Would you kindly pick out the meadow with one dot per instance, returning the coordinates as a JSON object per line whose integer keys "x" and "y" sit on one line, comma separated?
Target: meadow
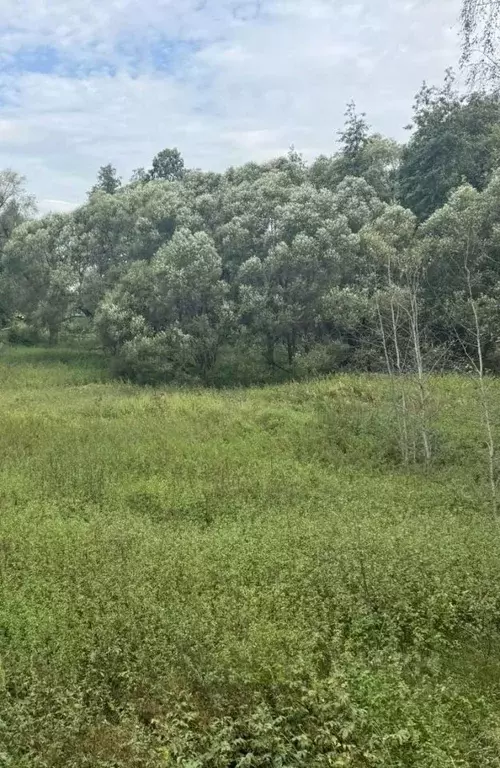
{"x": 242, "y": 577}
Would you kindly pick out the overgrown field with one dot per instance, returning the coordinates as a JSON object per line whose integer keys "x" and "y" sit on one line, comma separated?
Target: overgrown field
{"x": 241, "y": 578}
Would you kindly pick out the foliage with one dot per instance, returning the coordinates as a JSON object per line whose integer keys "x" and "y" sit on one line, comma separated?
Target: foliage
{"x": 362, "y": 154}
{"x": 241, "y": 578}
{"x": 40, "y": 274}
{"x": 107, "y": 180}
{"x": 349, "y": 262}
{"x": 16, "y": 206}
{"x": 456, "y": 140}
{"x": 169, "y": 318}
{"x": 167, "y": 165}
{"x": 461, "y": 239}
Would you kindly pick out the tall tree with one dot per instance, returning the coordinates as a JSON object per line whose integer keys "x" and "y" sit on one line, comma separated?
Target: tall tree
{"x": 16, "y": 205}
{"x": 37, "y": 266}
{"x": 139, "y": 176}
{"x": 366, "y": 155}
{"x": 456, "y": 138}
{"x": 397, "y": 262}
{"x": 107, "y": 180}
{"x": 353, "y": 140}
{"x": 281, "y": 293}
{"x": 463, "y": 236}
{"x": 168, "y": 165}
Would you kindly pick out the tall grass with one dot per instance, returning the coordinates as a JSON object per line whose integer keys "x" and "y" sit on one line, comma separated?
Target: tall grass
{"x": 241, "y": 578}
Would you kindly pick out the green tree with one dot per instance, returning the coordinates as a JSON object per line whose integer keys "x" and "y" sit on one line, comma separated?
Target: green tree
{"x": 107, "y": 180}
{"x": 463, "y": 240}
{"x": 111, "y": 231}
{"x": 168, "y": 165}
{"x": 306, "y": 253}
{"x": 169, "y": 318}
{"x": 456, "y": 139}
{"x": 37, "y": 266}
{"x": 396, "y": 280}
{"x": 361, "y": 154}
{"x": 244, "y": 215}
{"x": 139, "y": 175}
{"x": 462, "y": 244}
{"x": 353, "y": 139}
{"x": 16, "y": 206}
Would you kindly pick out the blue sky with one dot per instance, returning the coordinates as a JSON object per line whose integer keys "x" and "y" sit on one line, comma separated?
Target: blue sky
{"x": 87, "y": 82}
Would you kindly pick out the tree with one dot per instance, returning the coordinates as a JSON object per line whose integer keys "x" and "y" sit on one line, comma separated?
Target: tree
{"x": 353, "y": 139}
{"x": 37, "y": 265}
{"x": 168, "y": 165}
{"x": 111, "y": 231}
{"x": 16, "y": 206}
{"x": 362, "y": 154}
{"x": 279, "y": 296}
{"x": 244, "y": 215}
{"x": 480, "y": 22}
{"x": 380, "y": 160}
{"x": 397, "y": 263}
{"x": 464, "y": 235}
{"x": 169, "y": 318}
{"x": 468, "y": 224}
{"x": 139, "y": 176}
{"x": 281, "y": 293}
{"x": 355, "y": 199}
{"x": 107, "y": 180}
{"x": 456, "y": 139}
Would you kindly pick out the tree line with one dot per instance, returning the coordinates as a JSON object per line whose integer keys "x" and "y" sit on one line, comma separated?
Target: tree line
{"x": 379, "y": 257}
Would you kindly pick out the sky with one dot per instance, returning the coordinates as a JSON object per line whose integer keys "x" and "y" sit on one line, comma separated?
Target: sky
{"x": 84, "y": 83}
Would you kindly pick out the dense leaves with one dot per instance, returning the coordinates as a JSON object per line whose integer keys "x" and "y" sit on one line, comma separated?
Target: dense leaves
{"x": 107, "y": 180}
{"x": 167, "y": 319}
{"x": 456, "y": 140}
{"x": 279, "y": 269}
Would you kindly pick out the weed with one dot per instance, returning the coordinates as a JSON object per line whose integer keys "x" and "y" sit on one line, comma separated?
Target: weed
{"x": 240, "y": 578}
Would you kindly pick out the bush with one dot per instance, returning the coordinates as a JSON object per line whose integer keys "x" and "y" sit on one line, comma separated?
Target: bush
{"x": 22, "y": 333}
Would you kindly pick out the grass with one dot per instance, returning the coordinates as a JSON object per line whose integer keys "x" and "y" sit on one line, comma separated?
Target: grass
{"x": 241, "y": 578}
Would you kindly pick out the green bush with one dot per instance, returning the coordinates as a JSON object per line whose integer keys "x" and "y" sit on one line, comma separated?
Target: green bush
{"x": 23, "y": 334}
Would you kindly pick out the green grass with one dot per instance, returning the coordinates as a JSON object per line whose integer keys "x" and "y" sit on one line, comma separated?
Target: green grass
{"x": 241, "y": 578}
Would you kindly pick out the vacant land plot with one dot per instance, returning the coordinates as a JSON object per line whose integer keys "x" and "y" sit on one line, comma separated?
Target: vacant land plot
{"x": 241, "y": 578}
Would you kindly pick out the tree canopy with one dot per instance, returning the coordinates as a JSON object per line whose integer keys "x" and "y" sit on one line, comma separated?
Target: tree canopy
{"x": 456, "y": 139}
{"x": 277, "y": 269}
{"x": 107, "y": 180}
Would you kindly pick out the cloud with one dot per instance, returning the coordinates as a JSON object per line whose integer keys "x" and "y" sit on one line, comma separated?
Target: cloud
{"x": 87, "y": 82}
{"x": 55, "y": 206}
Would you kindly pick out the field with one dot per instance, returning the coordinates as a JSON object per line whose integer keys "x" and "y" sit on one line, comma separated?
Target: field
{"x": 243, "y": 577}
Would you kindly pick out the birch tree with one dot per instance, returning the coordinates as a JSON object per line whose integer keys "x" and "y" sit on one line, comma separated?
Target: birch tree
{"x": 397, "y": 262}
{"x": 460, "y": 236}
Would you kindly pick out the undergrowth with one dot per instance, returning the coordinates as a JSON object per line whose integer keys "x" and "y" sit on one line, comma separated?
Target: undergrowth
{"x": 241, "y": 578}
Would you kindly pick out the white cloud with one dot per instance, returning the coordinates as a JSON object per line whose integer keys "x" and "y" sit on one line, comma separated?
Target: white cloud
{"x": 55, "y": 206}
{"x": 263, "y": 75}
